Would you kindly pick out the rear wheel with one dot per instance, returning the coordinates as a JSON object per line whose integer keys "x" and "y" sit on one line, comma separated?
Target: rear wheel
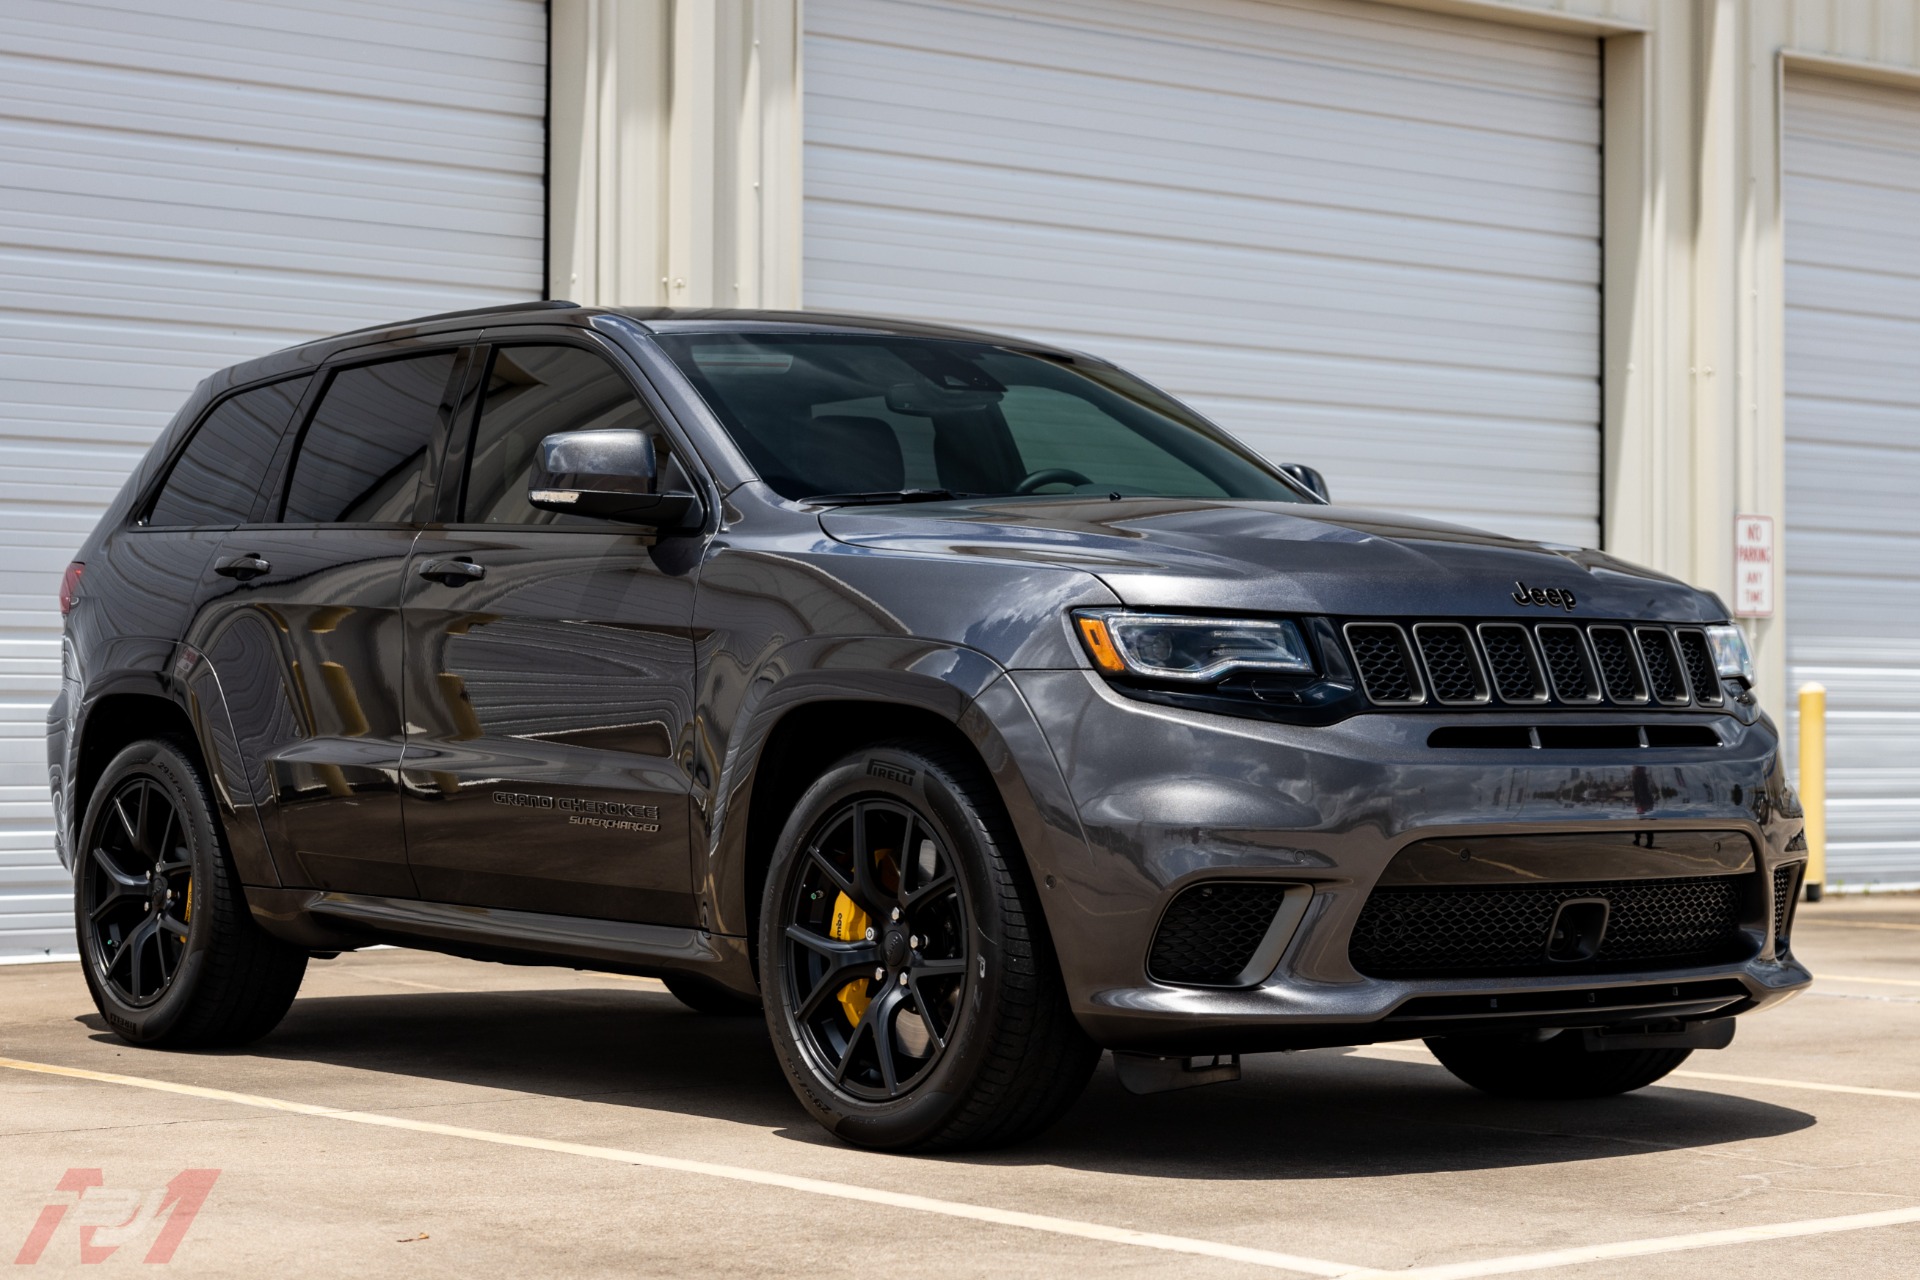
{"x": 170, "y": 952}
{"x": 1518, "y": 1065}
{"x": 910, "y": 986}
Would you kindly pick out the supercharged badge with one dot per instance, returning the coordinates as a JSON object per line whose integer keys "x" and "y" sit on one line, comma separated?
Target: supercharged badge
{"x": 611, "y": 815}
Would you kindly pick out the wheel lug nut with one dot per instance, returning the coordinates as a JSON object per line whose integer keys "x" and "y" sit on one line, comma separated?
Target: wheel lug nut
{"x": 879, "y": 973}
{"x": 903, "y": 979}
{"x": 870, "y": 933}
{"x": 914, "y": 942}
{"x": 896, "y": 914}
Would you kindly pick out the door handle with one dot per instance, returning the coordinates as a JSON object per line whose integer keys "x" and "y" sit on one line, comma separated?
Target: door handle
{"x": 241, "y": 566}
{"x": 453, "y": 573}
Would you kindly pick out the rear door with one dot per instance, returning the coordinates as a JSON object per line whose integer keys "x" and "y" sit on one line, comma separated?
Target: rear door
{"x": 307, "y": 641}
{"x": 550, "y": 678}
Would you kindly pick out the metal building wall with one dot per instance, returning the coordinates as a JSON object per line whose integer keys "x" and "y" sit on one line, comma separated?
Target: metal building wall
{"x": 190, "y": 185}
{"x": 1359, "y": 236}
{"x": 1852, "y": 167}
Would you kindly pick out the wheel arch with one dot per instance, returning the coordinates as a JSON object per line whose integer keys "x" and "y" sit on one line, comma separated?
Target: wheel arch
{"x": 797, "y": 735}
{"x": 190, "y": 710}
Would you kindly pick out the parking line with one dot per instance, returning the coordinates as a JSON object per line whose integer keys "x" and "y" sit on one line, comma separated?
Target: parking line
{"x": 1646, "y": 1248}
{"x": 1878, "y": 982}
{"x": 1854, "y": 924}
{"x": 1400, "y": 1053}
{"x": 811, "y": 1186}
{"x": 1801, "y": 1084}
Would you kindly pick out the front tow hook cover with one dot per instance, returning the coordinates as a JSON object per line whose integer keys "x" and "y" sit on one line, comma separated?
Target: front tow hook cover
{"x": 1578, "y": 927}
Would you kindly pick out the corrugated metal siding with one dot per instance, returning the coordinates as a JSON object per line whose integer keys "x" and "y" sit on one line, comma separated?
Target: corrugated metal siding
{"x": 1852, "y": 541}
{"x": 1359, "y": 236}
{"x": 187, "y": 186}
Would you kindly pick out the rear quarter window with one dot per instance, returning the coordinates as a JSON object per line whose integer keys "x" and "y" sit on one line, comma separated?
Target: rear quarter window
{"x": 218, "y": 475}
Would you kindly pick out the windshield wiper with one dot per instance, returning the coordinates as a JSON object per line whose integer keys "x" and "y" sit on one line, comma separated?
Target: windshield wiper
{"x": 878, "y": 496}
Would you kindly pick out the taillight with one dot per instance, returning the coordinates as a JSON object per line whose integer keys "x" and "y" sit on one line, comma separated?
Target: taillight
{"x": 70, "y": 586}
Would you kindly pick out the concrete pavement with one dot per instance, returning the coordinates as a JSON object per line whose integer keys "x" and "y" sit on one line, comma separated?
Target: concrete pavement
{"x": 525, "y": 1091}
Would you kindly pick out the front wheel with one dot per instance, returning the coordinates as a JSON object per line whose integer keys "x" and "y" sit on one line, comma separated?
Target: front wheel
{"x": 1519, "y": 1065}
{"x": 171, "y": 953}
{"x": 909, "y": 982}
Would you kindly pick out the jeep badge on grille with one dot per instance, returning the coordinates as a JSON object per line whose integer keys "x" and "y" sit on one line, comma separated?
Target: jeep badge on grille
{"x": 1548, "y": 597}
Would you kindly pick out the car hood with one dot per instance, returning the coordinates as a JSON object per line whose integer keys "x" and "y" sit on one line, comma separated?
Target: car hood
{"x": 1276, "y": 557}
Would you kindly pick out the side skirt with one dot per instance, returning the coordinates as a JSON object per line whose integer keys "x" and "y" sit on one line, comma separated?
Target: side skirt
{"x": 325, "y": 921}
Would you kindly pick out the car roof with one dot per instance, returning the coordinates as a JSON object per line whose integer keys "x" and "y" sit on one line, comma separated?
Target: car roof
{"x": 661, "y": 320}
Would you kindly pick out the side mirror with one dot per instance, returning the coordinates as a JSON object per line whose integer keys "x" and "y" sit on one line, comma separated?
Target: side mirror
{"x": 1307, "y": 478}
{"x": 612, "y": 474}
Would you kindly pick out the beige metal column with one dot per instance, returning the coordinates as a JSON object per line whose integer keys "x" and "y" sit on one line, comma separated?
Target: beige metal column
{"x": 675, "y": 142}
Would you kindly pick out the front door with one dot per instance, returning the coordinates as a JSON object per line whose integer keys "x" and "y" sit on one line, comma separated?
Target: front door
{"x": 550, "y": 673}
{"x": 308, "y": 643}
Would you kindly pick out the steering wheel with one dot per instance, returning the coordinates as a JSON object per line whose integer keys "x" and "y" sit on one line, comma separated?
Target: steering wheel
{"x": 1050, "y": 475}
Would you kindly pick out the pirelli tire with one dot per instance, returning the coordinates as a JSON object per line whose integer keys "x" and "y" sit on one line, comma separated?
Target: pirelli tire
{"x": 910, "y": 986}
{"x": 1520, "y": 1065}
{"x": 168, "y": 947}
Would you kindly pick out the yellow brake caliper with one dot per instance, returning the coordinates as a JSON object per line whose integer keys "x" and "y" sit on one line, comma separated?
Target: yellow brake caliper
{"x": 850, "y": 925}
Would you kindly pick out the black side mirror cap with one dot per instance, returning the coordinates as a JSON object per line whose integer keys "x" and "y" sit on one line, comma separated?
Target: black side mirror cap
{"x": 1307, "y": 478}
{"x": 610, "y": 474}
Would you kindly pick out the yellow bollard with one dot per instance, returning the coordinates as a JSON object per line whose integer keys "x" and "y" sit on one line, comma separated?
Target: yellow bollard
{"x": 1813, "y": 784}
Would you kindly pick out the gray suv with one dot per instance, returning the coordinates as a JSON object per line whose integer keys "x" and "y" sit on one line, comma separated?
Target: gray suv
{"x": 966, "y": 706}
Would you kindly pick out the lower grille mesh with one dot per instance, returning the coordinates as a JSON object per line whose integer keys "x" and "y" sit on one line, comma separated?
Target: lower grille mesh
{"x": 1431, "y": 931}
{"x": 1211, "y": 931}
{"x": 1785, "y": 889}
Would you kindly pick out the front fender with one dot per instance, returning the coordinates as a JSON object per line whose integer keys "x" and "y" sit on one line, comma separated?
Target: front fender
{"x": 893, "y": 671}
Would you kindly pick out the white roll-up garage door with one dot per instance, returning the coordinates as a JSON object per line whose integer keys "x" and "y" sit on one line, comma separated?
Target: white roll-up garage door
{"x": 1359, "y": 236}
{"x": 189, "y": 185}
{"x": 1852, "y": 539}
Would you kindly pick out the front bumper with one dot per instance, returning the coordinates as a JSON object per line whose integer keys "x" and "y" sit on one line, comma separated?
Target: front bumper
{"x": 1165, "y": 798}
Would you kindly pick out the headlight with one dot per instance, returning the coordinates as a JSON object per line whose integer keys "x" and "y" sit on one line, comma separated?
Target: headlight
{"x": 1163, "y": 646}
{"x": 1730, "y": 656}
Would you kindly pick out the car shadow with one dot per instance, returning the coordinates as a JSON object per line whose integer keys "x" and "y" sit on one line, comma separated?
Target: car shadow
{"x": 1316, "y": 1115}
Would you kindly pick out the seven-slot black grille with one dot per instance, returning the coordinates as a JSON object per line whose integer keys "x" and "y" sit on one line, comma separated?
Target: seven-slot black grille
{"x": 1209, "y": 934}
{"x": 1431, "y": 931}
{"x": 1571, "y": 664}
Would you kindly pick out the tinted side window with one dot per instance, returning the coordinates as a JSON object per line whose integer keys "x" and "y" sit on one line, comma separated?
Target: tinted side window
{"x": 532, "y": 392}
{"x": 217, "y": 476}
{"x": 364, "y": 453}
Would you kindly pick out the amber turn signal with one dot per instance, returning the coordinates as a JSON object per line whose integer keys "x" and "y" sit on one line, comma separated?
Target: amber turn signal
{"x": 1100, "y": 645}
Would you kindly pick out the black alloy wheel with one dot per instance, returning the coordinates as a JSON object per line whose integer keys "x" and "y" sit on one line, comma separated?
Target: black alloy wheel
{"x": 137, "y": 893}
{"x": 911, "y": 989}
{"x": 169, "y": 948}
{"x": 877, "y": 948}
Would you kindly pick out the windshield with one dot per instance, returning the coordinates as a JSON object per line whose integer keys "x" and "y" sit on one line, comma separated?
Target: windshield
{"x": 835, "y": 416}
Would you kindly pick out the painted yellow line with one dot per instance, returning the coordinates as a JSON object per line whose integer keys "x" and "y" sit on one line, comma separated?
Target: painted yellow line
{"x": 1402, "y": 1053}
{"x": 1878, "y": 982}
{"x": 1646, "y": 1248}
{"x": 810, "y": 1186}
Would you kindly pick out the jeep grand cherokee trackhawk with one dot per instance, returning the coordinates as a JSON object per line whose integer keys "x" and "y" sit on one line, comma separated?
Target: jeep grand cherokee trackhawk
{"x": 968, "y": 705}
